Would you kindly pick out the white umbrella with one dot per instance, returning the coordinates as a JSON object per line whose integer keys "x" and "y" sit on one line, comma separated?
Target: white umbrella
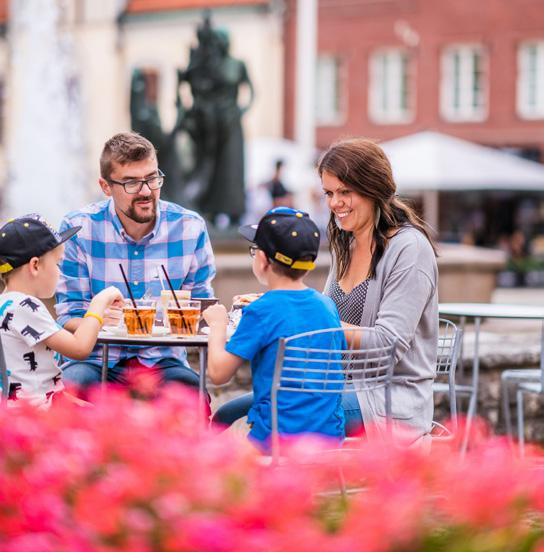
{"x": 430, "y": 162}
{"x": 433, "y": 161}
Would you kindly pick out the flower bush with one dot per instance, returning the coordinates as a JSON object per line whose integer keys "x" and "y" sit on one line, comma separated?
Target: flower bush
{"x": 141, "y": 475}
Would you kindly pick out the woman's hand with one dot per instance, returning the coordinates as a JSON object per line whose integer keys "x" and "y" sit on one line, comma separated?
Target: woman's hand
{"x": 353, "y": 335}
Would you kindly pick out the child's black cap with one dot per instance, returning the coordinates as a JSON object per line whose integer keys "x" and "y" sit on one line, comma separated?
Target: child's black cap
{"x": 28, "y": 236}
{"x": 286, "y": 235}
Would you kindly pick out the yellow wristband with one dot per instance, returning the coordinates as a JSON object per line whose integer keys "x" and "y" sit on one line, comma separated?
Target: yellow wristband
{"x": 90, "y": 314}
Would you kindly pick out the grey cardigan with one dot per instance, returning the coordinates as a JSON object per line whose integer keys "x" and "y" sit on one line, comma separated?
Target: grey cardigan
{"x": 402, "y": 304}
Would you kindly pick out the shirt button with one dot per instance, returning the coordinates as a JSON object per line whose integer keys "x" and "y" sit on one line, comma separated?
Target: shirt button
{"x": 135, "y": 252}
{"x": 136, "y": 283}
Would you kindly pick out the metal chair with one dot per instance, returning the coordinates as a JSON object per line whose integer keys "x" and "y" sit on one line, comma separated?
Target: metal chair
{"x": 525, "y": 380}
{"x": 469, "y": 389}
{"x": 515, "y": 377}
{"x": 322, "y": 362}
{"x": 449, "y": 344}
{"x": 534, "y": 387}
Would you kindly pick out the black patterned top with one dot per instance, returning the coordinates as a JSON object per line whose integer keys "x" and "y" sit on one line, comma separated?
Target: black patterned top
{"x": 350, "y": 305}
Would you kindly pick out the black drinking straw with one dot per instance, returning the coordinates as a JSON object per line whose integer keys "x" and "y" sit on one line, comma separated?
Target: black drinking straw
{"x": 170, "y": 286}
{"x": 132, "y": 298}
{"x": 174, "y": 296}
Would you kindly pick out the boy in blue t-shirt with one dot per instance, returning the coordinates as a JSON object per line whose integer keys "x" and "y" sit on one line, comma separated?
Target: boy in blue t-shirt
{"x": 285, "y": 246}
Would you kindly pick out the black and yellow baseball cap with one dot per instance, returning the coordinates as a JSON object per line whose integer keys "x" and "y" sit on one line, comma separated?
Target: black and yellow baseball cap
{"x": 28, "y": 236}
{"x": 286, "y": 236}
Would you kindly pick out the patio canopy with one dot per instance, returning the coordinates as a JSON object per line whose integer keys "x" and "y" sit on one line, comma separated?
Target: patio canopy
{"x": 433, "y": 161}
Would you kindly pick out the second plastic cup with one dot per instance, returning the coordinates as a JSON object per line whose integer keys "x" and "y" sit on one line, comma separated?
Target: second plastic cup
{"x": 183, "y": 320}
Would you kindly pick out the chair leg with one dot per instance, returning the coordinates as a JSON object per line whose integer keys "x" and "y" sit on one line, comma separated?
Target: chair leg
{"x": 468, "y": 427}
{"x": 453, "y": 407}
{"x": 521, "y": 422}
{"x": 506, "y": 410}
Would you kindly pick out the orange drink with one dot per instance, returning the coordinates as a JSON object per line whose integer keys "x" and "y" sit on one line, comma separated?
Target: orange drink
{"x": 139, "y": 320}
{"x": 166, "y": 297}
{"x": 184, "y": 319}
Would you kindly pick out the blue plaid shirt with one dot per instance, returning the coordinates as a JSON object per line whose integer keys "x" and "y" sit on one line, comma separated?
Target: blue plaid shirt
{"x": 179, "y": 241}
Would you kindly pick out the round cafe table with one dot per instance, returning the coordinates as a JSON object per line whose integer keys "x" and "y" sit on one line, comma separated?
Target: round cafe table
{"x": 477, "y": 311}
{"x": 106, "y": 338}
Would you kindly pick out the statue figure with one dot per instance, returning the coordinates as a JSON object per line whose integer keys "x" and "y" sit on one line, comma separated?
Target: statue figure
{"x": 145, "y": 119}
{"x": 213, "y": 181}
{"x": 214, "y": 123}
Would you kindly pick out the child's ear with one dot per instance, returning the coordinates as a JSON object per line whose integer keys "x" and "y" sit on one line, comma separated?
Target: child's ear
{"x": 33, "y": 265}
{"x": 262, "y": 258}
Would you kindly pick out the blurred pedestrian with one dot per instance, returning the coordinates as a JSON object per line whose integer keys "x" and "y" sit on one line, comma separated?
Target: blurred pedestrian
{"x": 280, "y": 195}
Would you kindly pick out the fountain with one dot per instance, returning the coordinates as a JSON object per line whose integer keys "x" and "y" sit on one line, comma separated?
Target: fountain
{"x": 46, "y": 167}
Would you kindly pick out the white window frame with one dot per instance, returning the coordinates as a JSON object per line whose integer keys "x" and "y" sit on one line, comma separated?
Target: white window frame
{"x": 390, "y": 93}
{"x": 530, "y": 80}
{"x": 459, "y": 101}
{"x": 329, "y": 101}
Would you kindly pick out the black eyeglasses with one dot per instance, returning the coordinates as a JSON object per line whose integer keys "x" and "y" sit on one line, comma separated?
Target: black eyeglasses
{"x": 135, "y": 186}
{"x": 252, "y": 250}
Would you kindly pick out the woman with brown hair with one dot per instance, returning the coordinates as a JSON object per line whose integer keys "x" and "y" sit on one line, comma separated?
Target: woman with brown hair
{"x": 384, "y": 276}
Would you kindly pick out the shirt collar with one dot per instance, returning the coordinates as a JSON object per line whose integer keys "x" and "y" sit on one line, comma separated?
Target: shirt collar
{"x": 121, "y": 230}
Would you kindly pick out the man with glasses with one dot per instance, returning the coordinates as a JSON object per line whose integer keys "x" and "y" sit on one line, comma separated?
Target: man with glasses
{"x": 134, "y": 228}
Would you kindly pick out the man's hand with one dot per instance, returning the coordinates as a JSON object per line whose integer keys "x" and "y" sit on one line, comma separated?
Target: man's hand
{"x": 216, "y": 315}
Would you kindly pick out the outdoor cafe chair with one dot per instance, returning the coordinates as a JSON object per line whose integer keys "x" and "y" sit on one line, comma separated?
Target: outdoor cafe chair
{"x": 321, "y": 362}
{"x": 526, "y": 387}
{"x": 514, "y": 377}
{"x": 449, "y": 345}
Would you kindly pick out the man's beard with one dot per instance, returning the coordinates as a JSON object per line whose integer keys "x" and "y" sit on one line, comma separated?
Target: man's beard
{"x": 131, "y": 212}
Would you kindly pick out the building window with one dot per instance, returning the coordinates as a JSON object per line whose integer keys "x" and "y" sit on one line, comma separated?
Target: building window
{"x": 464, "y": 83}
{"x": 530, "y": 85}
{"x": 389, "y": 93}
{"x": 328, "y": 91}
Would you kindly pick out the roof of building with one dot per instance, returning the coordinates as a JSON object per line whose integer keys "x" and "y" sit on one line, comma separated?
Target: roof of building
{"x": 141, "y": 6}
{"x": 144, "y": 6}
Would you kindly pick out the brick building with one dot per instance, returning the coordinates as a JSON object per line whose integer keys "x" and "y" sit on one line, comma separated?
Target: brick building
{"x": 472, "y": 69}
{"x": 388, "y": 68}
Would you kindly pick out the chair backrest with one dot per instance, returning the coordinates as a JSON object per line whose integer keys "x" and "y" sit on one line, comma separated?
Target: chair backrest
{"x": 449, "y": 343}
{"x": 3, "y": 374}
{"x": 449, "y": 347}
{"x": 324, "y": 361}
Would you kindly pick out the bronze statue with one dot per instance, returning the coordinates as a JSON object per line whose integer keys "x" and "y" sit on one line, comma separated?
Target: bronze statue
{"x": 145, "y": 119}
{"x": 214, "y": 123}
{"x": 215, "y": 183}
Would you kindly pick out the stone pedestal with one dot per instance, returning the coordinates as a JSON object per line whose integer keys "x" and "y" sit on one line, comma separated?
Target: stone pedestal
{"x": 468, "y": 274}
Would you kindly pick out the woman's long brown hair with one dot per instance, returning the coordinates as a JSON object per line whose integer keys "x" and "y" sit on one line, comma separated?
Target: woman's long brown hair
{"x": 362, "y": 165}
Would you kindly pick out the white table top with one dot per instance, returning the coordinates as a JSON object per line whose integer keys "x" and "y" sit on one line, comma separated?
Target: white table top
{"x": 492, "y": 310}
{"x": 108, "y": 338}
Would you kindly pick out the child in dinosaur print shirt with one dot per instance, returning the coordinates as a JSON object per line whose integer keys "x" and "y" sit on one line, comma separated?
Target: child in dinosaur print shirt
{"x": 30, "y": 251}
{"x": 25, "y": 326}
